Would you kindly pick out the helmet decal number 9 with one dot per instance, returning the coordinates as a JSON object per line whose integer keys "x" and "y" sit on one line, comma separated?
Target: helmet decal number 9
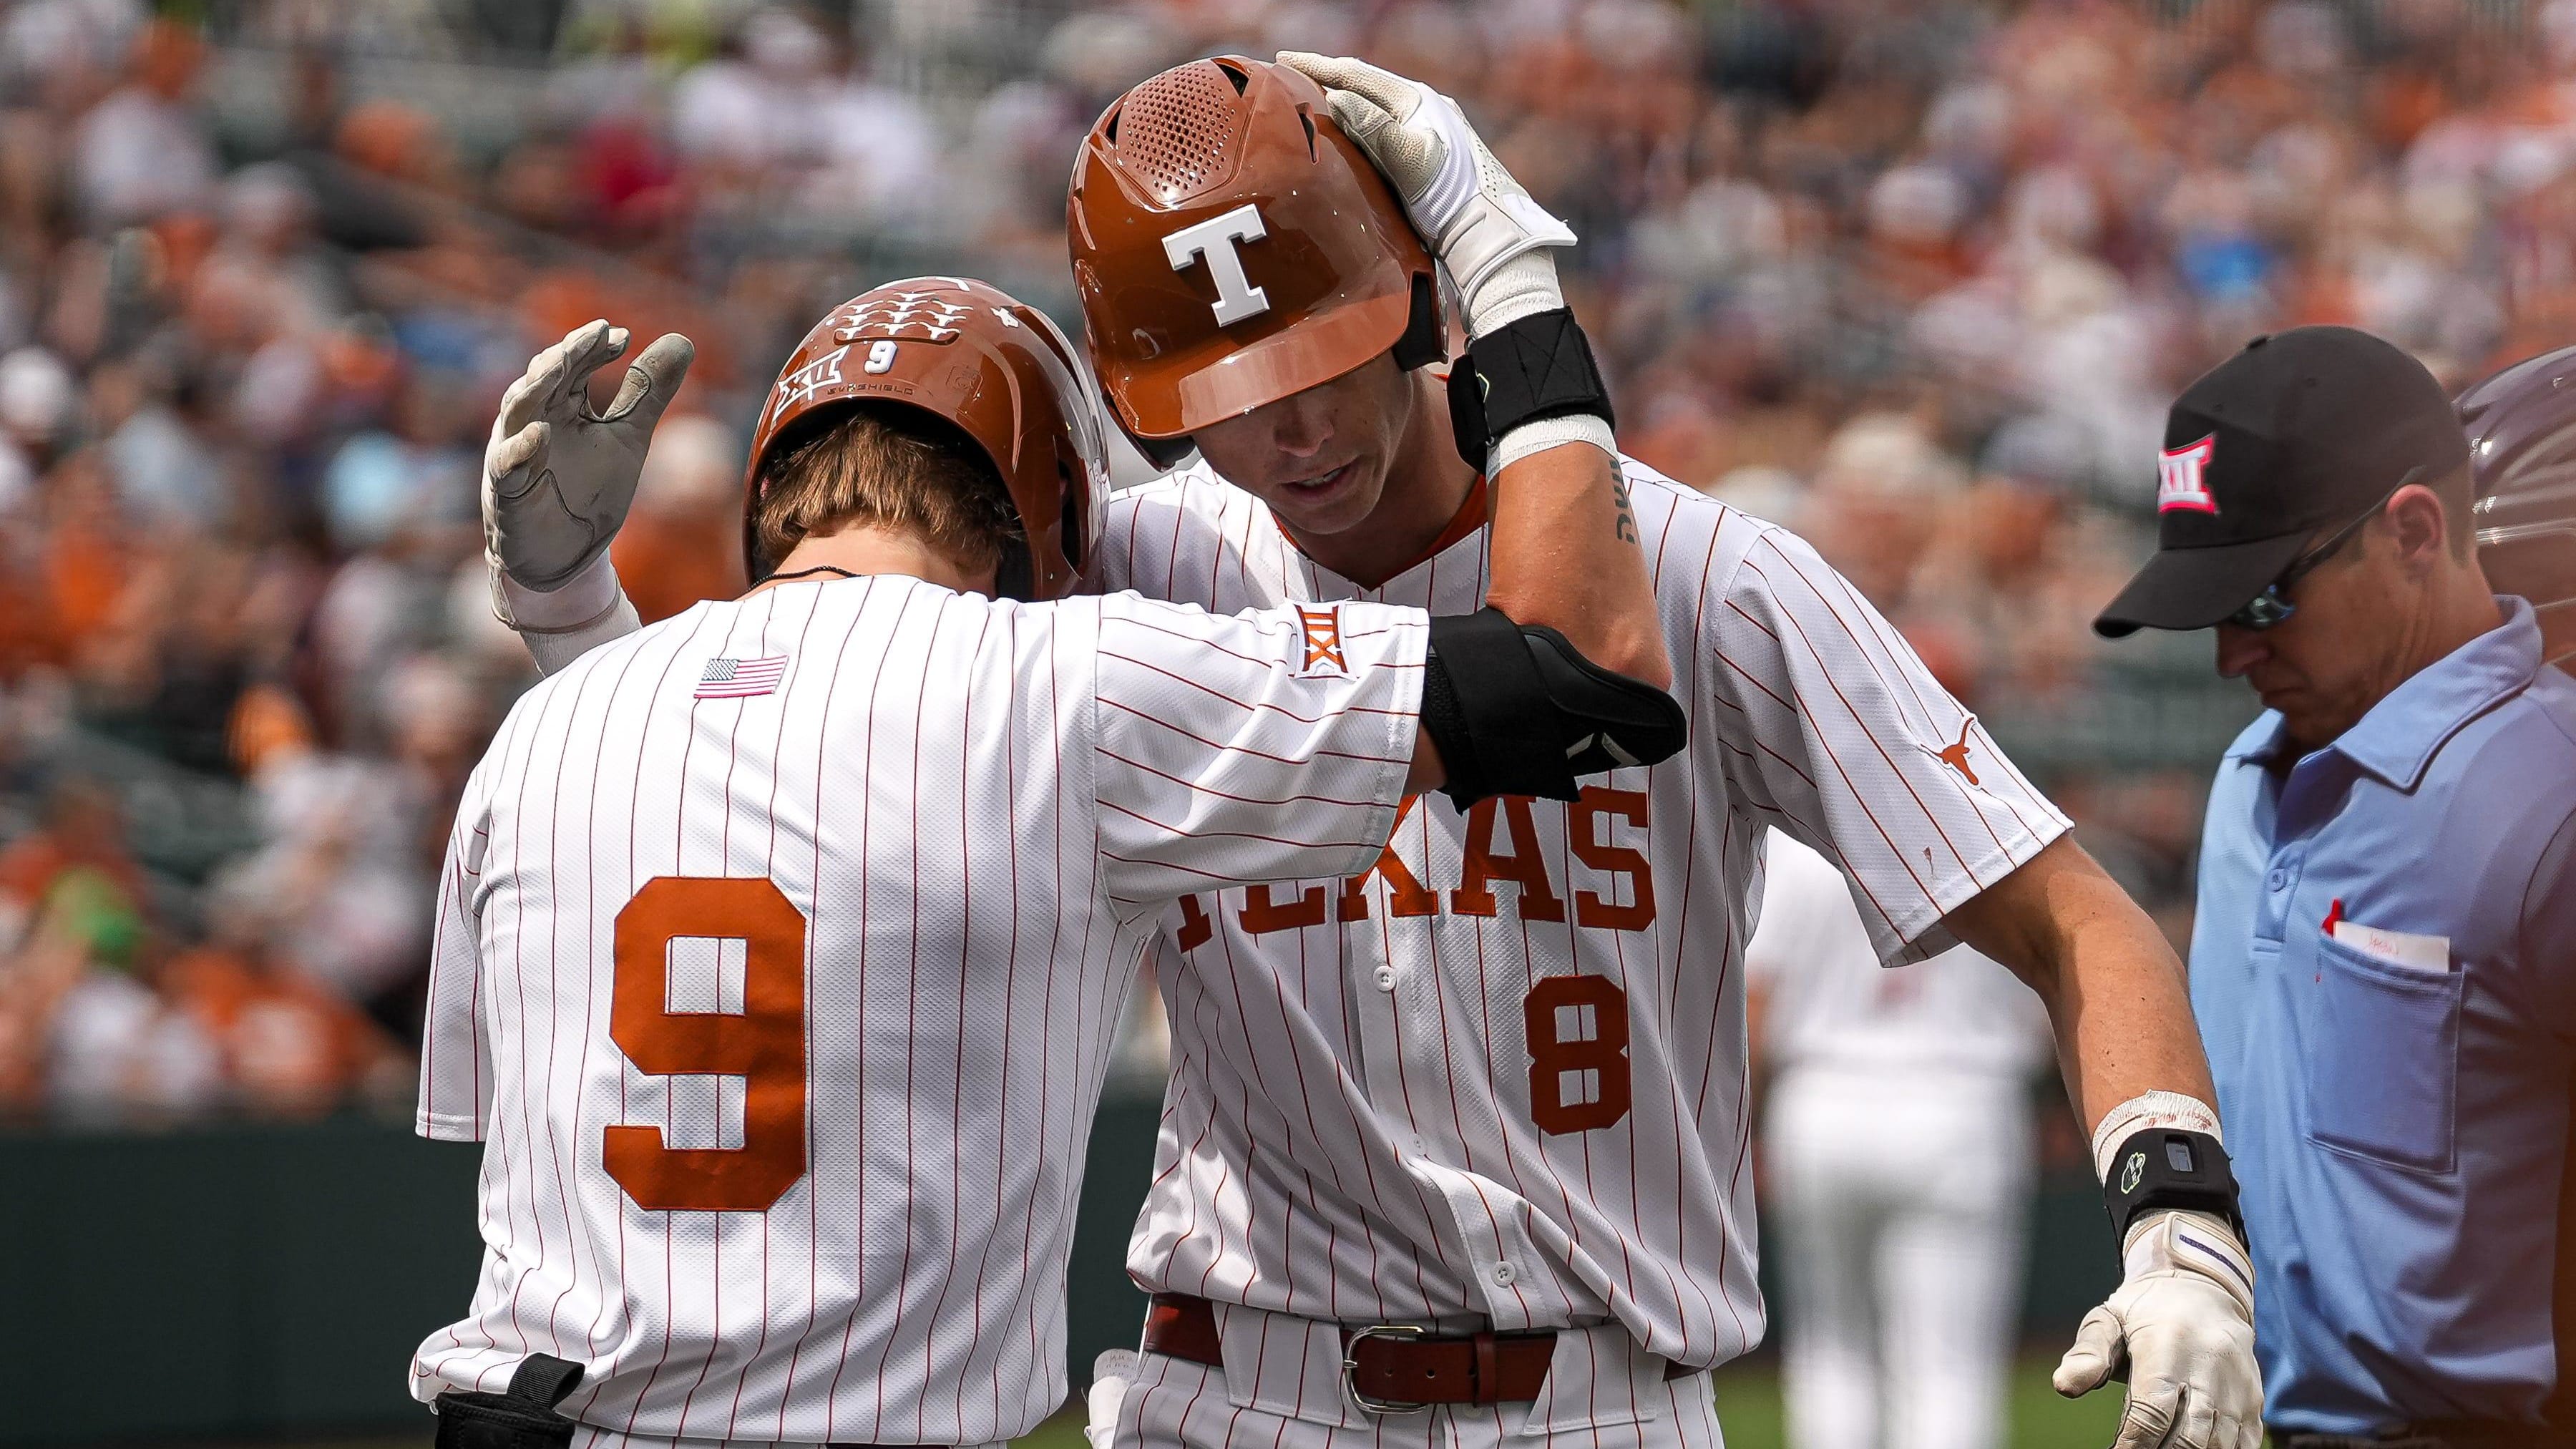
{"x": 764, "y": 1043}
{"x": 1578, "y": 1047}
{"x": 880, "y": 356}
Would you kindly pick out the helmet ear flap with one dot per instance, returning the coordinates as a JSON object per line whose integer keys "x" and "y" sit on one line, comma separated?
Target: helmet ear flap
{"x": 1425, "y": 340}
{"x": 1164, "y": 453}
{"x": 1015, "y": 573}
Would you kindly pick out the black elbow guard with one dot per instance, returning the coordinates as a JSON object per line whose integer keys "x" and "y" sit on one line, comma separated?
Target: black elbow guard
{"x": 1515, "y": 710}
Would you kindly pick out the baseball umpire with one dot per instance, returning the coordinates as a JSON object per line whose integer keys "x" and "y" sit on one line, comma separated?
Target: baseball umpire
{"x": 2384, "y": 960}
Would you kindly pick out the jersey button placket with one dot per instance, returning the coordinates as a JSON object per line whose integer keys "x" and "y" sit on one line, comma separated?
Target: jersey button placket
{"x": 1385, "y": 978}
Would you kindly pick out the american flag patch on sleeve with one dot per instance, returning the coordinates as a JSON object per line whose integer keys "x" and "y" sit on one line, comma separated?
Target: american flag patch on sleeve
{"x": 740, "y": 678}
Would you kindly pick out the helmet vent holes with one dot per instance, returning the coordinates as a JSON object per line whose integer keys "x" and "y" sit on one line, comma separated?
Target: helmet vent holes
{"x": 1184, "y": 128}
{"x": 1308, "y": 122}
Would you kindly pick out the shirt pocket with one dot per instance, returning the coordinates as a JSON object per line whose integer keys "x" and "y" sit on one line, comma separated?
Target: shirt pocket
{"x": 2383, "y": 1059}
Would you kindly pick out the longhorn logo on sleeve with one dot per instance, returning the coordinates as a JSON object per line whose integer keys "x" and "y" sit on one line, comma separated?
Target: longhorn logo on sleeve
{"x": 1219, "y": 239}
{"x": 1956, "y": 756}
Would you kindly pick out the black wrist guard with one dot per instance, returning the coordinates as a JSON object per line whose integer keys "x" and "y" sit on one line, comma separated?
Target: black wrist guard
{"x": 2167, "y": 1167}
{"x": 1538, "y": 367}
{"x": 1515, "y": 710}
{"x": 523, "y": 1418}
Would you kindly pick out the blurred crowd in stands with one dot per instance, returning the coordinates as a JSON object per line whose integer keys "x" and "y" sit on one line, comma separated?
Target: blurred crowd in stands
{"x": 1916, "y": 279}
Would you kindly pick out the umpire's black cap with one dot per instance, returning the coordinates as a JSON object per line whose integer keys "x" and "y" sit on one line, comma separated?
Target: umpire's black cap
{"x": 2303, "y": 430}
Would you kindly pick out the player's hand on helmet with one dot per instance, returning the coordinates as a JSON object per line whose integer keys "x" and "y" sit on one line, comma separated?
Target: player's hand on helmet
{"x": 559, "y": 477}
{"x": 2180, "y": 1329}
{"x": 1480, "y": 222}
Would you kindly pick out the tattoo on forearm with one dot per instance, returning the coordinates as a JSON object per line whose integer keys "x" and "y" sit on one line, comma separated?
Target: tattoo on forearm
{"x": 1627, "y": 509}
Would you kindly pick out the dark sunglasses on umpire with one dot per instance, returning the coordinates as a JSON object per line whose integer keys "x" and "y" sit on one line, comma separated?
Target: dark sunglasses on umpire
{"x": 2272, "y": 606}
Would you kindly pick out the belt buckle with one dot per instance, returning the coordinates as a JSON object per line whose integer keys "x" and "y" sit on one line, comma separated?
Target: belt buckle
{"x": 1351, "y": 1368}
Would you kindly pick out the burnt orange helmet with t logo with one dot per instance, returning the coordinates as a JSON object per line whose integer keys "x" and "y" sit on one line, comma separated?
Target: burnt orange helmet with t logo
{"x": 1232, "y": 247}
{"x": 993, "y": 365}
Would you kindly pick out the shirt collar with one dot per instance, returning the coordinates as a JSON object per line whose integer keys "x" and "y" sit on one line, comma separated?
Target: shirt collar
{"x": 2262, "y": 743}
{"x": 2398, "y": 738}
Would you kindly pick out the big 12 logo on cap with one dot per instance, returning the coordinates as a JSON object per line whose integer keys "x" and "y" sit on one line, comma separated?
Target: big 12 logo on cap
{"x": 2182, "y": 478}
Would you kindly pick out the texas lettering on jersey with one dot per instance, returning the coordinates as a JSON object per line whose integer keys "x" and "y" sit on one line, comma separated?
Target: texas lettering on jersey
{"x": 1501, "y": 845}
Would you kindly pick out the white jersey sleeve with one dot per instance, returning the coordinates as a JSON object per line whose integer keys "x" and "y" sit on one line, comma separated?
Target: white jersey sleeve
{"x": 1259, "y": 747}
{"x": 455, "y": 1053}
{"x": 1858, "y": 753}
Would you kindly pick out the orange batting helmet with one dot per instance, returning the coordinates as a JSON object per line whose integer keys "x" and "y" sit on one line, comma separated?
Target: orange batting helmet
{"x": 985, "y": 361}
{"x": 1232, "y": 247}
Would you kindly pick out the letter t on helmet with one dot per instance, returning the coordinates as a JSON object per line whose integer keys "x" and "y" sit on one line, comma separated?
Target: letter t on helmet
{"x": 1232, "y": 247}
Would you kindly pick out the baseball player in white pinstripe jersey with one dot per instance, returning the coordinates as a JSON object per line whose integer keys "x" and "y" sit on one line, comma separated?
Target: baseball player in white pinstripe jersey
{"x": 1496, "y": 1084}
{"x": 1454, "y": 1149}
{"x": 780, "y": 942}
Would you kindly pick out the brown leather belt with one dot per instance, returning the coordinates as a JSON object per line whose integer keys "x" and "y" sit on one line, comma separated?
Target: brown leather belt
{"x": 1388, "y": 1368}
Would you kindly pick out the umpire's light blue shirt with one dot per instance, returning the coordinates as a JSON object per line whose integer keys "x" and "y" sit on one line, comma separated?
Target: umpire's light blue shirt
{"x": 2400, "y": 1133}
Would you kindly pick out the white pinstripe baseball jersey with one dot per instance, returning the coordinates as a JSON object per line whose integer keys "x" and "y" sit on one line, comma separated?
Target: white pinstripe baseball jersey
{"x": 1501, "y": 1075}
{"x": 779, "y": 953}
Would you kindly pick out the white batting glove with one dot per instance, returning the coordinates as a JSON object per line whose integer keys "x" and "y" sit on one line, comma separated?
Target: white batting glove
{"x": 2180, "y": 1327}
{"x": 1481, "y": 223}
{"x": 557, "y": 477}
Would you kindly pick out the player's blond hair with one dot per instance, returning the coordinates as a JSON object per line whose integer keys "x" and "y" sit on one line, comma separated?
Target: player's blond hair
{"x": 891, "y": 465}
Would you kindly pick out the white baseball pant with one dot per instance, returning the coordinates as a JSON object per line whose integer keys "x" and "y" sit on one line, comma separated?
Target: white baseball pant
{"x": 1901, "y": 1208}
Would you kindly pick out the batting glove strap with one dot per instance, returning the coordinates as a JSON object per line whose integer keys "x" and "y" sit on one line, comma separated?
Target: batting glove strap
{"x": 2174, "y": 1243}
